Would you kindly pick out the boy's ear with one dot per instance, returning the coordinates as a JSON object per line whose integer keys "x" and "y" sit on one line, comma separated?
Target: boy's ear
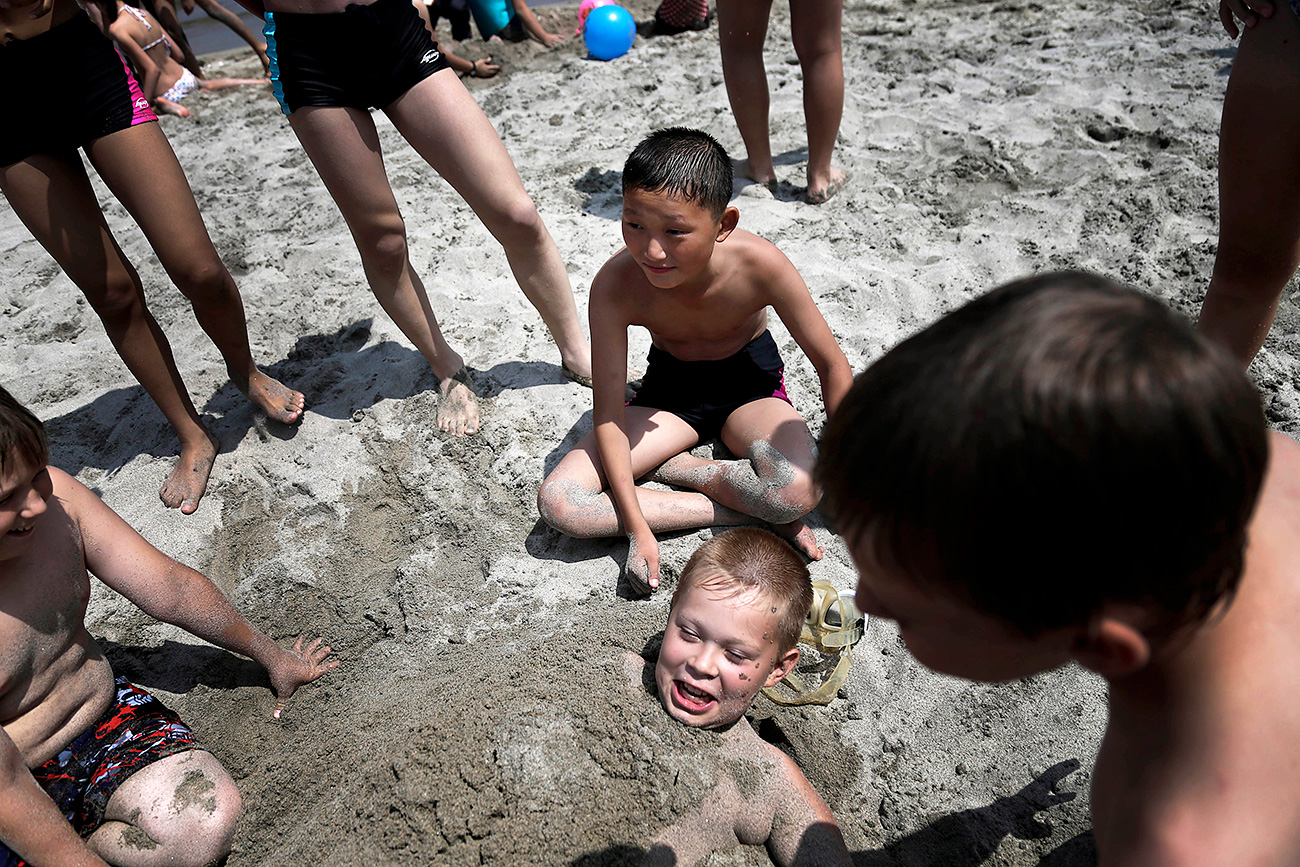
{"x": 1112, "y": 646}
{"x": 727, "y": 225}
{"x": 784, "y": 664}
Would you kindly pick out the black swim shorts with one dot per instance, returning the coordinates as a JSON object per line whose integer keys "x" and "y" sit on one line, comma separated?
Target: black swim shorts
{"x": 363, "y": 57}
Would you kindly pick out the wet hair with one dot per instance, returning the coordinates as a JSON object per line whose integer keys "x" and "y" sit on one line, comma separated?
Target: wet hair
{"x": 681, "y": 162}
{"x": 21, "y": 434}
{"x": 752, "y": 559}
{"x": 1057, "y": 444}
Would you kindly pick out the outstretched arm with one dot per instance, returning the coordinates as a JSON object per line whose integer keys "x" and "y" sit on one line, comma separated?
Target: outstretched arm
{"x": 231, "y": 20}
{"x": 176, "y": 594}
{"x": 534, "y": 27}
{"x": 30, "y": 824}
{"x": 789, "y": 296}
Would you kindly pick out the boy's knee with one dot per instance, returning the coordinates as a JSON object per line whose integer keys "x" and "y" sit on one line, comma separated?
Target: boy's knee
{"x": 383, "y": 245}
{"x": 790, "y": 502}
{"x": 206, "y": 832}
{"x": 199, "y": 277}
{"x": 119, "y": 299}
{"x": 556, "y": 504}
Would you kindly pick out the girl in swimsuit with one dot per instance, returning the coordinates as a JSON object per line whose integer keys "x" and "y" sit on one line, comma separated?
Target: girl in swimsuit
{"x": 1259, "y": 176}
{"x": 78, "y": 93}
{"x": 156, "y": 58}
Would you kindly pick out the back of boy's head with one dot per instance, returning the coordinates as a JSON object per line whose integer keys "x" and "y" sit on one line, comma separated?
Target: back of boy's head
{"x": 681, "y": 162}
{"x": 750, "y": 559}
{"x": 1057, "y": 444}
{"x": 21, "y": 434}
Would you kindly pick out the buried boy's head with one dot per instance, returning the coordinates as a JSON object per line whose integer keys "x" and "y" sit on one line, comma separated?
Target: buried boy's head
{"x": 24, "y": 482}
{"x": 1061, "y": 469}
{"x": 735, "y": 620}
{"x": 22, "y": 436}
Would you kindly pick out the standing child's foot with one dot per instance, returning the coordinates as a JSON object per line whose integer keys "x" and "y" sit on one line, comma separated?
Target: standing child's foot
{"x": 278, "y": 401}
{"x": 801, "y": 536}
{"x": 819, "y": 191}
{"x": 458, "y": 412}
{"x": 189, "y": 480}
{"x": 743, "y": 169}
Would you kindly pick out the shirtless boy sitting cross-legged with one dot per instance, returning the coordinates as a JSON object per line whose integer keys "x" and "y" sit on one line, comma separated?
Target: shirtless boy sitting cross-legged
{"x": 701, "y": 287}
{"x": 82, "y": 752}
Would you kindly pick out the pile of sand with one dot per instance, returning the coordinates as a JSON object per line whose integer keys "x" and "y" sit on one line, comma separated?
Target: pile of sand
{"x": 478, "y": 715}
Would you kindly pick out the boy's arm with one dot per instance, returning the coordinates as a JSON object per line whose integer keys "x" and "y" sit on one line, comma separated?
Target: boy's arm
{"x": 30, "y": 824}
{"x": 804, "y": 830}
{"x": 176, "y": 594}
{"x": 534, "y": 27}
{"x": 789, "y": 296}
{"x": 609, "y": 323}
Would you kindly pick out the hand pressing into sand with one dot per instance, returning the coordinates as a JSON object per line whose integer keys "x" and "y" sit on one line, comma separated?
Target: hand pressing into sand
{"x": 642, "y": 568}
{"x": 290, "y": 669}
{"x": 1248, "y": 11}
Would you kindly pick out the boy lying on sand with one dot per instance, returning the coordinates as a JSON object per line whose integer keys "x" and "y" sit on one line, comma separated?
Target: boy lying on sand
{"x": 702, "y": 288}
{"x": 79, "y": 746}
{"x": 1063, "y": 470}
{"x": 732, "y": 630}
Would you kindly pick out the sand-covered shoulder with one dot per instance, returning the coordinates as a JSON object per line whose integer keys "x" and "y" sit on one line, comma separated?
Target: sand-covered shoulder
{"x": 478, "y": 715}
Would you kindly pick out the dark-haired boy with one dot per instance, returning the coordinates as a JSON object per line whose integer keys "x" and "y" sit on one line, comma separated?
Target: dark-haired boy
{"x": 733, "y": 629}
{"x": 1064, "y": 471}
{"x": 702, "y": 288}
{"x": 83, "y": 753}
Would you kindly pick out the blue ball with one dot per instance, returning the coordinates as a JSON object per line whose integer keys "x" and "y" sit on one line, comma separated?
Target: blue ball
{"x": 609, "y": 32}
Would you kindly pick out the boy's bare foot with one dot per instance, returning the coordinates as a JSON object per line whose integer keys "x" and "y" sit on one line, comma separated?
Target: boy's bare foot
{"x": 583, "y": 379}
{"x": 188, "y": 482}
{"x": 801, "y": 536}
{"x": 458, "y": 409}
{"x": 278, "y": 401}
{"x": 820, "y": 192}
{"x": 742, "y": 169}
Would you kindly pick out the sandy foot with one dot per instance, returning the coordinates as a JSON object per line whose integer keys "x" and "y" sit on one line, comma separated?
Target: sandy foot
{"x": 742, "y": 169}
{"x": 278, "y": 401}
{"x": 801, "y": 536}
{"x": 819, "y": 194}
{"x": 187, "y": 483}
{"x": 458, "y": 412}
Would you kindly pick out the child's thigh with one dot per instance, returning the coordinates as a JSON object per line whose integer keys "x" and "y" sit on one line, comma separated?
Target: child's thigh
{"x": 181, "y": 794}
{"x": 773, "y": 421}
{"x": 653, "y": 435}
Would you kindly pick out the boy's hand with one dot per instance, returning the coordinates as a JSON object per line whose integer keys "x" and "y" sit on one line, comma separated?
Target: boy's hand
{"x": 293, "y": 668}
{"x": 1249, "y": 11}
{"x": 642, "y": 567}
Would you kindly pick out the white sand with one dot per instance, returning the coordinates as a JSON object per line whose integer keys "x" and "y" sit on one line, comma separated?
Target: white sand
{"x": 469, "y": 720}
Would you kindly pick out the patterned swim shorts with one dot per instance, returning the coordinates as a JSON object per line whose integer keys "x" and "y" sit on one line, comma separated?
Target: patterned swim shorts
{"x": 135, "y": 731}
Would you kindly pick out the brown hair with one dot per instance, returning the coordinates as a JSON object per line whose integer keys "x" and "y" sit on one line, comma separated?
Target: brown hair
{"x": 21, "y": 433}
{"x": 1059, "y": 443}
{"x": 750, "y": 558}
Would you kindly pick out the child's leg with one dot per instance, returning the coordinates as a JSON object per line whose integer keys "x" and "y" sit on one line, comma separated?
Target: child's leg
{"x": 138, "y": 166}
{"x": 223, "y": 83}
{"x": 446, "y": 126}
{"x": 815, "y": 29}
{"x": 572, "y": 499}
{"x": 1259, "y": 185}
{"x": 742, "y": 29}
{"x": 180, "y": 810}
{"x": 344, "y": 146}
{"x": 75, "y": 234}
{"x": 774, "y": 482}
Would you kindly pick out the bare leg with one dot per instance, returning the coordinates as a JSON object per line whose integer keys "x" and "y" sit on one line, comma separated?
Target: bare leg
{"x": 138, "y": 165}
{"x": 344, "y": 146}
{"x": 815, "y": 28}
{"x": 448, "y": 129}
{"x": 223, "y": 83}
{"x": 773, "y": 483}
{"x": 180, "y": 810}
{"x": 231, "y": 20}
{"x": 742, "y": 29}
{"x": 1259, "y": 186}
{"x": 76, "y": 235}
{"x": 573, "y": 498}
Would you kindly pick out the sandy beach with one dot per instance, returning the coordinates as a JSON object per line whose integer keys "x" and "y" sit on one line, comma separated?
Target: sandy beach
{"x": 480, "y": 714}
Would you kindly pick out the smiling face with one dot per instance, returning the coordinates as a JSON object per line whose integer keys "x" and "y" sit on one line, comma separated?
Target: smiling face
{"x": 719, "y": 650}
{"x": 24, "y": 490}
{"x": 948, "y": 634}
{"x": 671, "y": 238}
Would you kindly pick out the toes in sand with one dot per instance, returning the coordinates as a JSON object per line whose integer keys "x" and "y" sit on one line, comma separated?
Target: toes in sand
{"x": 458, "y": 412}
{"x": 278, "y": 401}
{"x": 820, "y": 195}
{"x": 189, "y": 480}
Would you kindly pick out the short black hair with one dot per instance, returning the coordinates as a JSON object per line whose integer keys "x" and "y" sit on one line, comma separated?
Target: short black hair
{"x": 1057, "y": 444}
{"x": 681, "y": 162}
{"x": 21, "y": 434}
